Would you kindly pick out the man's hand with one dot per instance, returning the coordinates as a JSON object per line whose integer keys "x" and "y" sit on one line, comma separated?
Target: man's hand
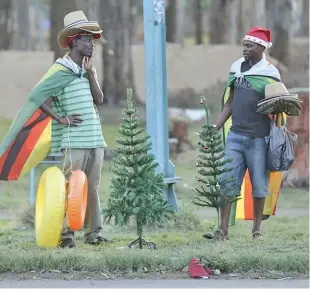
{"x": 95, "y": 89}
{"x": 72, "y": 120}
{"x": 216, "y": 128}
{"x": 88, "y": 64}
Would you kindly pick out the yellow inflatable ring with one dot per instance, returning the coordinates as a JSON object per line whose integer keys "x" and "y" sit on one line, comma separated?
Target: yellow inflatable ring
{"x": 50, "y": 208}
{"x": 77, "y": 200}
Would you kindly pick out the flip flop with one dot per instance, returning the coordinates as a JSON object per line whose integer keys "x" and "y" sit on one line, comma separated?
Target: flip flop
{"x": 97, "y": 241}
{"x": 211, "y": 236}
{"x": 208, "y": 235}
{"x": 257, "y": 235}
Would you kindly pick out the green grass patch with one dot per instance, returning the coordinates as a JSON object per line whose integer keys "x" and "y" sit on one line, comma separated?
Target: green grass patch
{"x": 285, "y": 249}
{"x": 15, "y": 195}
{"x": 289, "y": 197}
{"x": 293, "y": 198}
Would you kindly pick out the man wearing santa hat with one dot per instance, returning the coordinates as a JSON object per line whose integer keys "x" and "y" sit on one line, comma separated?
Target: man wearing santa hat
{"x": 246, "y": 131}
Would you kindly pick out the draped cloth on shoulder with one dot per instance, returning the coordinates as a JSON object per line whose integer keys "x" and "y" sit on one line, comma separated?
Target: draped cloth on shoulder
{"x": 28, "y": 140}
{"x": 258, "y": 76}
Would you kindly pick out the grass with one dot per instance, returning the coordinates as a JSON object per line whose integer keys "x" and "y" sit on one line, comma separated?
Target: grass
{"x": 15, "y": 196}
{"x": 284, "y": 250}
{"x": 289, "y": 197}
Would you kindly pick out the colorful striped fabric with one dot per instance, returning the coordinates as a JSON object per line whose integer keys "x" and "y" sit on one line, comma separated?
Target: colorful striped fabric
{"x": 29, "y": 139}
{"x": 243, "y": 208}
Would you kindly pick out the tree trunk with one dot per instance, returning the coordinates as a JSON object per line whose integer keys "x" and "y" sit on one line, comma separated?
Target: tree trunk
{"x": 118, "y": 22}
{"x": 258, "y": 13}
{"x": 59, "y": 9}
{"x": 5, "y": 13}
{"x": 250, "y": 13}
{"x": 244, "y": 20}
{"x": 24, "y": 25}
{"x": 219, "y": 22}
{"x": 123, "y": 57}
{"x": 233, "y": 21}
{"x": 109, "y": 18}
{"x": 305, "y": 18}
{"x": 171, "y": 13}
{"x": 181, "y": 6}
{"x": 131, "y": 37}
{"x": 280, "y": 16}
{"x": 121, "y": 37}
{"x": 198, "y": 22}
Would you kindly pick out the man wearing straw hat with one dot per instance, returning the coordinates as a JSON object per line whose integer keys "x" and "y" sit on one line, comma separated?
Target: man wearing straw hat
{"x": 60, "y": 115}
{"x": 76, "y": 127}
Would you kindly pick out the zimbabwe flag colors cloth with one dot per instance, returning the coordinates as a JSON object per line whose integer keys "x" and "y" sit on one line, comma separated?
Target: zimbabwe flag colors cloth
{"x": 260, "y": 75}
{"x": 28, "y": 140}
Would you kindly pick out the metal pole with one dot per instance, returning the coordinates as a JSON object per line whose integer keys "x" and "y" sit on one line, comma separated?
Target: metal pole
{"x": 156, "y": 90}
{"x": 32, "y": 184}
{"x": 150, "y": 72}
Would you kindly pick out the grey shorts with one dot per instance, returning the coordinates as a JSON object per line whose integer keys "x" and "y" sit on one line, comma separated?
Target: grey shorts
{"x": 246, "y": 153}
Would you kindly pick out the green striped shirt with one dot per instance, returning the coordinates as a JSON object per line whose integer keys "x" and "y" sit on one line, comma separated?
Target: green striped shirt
{"x": 76, "y": 98}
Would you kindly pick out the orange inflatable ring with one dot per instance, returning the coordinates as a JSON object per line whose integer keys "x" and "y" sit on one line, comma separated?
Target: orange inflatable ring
{"x": 77, "y": 200}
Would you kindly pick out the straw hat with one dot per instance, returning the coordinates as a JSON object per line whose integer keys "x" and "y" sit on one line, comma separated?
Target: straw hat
{"x": 74, "y": 23}
{"x": 279, "y": 100}
{"x": 277, "y": 89}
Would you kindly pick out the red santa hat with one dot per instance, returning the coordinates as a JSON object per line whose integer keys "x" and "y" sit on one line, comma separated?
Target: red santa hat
{"x": 259, "y": 35}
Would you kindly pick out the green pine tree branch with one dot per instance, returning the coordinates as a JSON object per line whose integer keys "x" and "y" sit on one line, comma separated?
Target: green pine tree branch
{"x": 136, "y": 187}
{"x": 211, "y": 165}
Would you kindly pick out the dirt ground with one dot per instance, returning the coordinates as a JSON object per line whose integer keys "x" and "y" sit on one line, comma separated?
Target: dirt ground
{"x": 190, "y": 72}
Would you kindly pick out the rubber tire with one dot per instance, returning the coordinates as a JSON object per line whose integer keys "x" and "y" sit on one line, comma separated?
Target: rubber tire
{"x": 50, "y": 208}
{"x": 77, "y": 200}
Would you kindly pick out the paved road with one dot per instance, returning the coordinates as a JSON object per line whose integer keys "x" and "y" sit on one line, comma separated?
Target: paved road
{"x": 187, "y": 283}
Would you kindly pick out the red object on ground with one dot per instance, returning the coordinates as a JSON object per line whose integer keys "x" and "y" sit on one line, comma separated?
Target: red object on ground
{"x": 196, "y": 270}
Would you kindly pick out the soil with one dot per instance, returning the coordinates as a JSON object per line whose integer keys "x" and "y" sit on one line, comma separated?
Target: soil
{"x": 191, "y": 71}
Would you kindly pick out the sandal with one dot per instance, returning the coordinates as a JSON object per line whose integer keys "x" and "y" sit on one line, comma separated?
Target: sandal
{"x": 265, "y": 217}
{"x": 257, "y": 235}
{"x": 208, "y": 235}
{"x": 218, "y": 235}
{"x": 98, "y": 240}
{"x": 67, "y": 243}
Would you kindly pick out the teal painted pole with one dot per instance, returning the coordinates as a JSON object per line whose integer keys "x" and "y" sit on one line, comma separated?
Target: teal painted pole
{"x": 156, "y": 90}
{"x": 150, "y": 72}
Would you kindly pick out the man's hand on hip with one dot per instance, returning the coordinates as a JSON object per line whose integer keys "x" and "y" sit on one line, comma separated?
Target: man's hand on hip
{"x": 71, "y": 120}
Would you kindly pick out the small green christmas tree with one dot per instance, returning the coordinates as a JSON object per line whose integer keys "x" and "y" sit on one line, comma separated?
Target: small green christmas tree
{"x": 137, "y": 189}
{"x": 211, "y": 165}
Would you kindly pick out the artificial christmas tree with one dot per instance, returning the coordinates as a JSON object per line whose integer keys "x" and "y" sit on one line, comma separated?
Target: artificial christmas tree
{"x": 210, "y": 165}
{"x": 137, "y": 189}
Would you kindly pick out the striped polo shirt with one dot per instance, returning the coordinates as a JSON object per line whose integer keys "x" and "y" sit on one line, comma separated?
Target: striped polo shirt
{"x": 76, "y": 98}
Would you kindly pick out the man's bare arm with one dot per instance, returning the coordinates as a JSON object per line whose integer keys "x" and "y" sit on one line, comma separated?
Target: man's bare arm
{"x": 73, "y": 119}
{"x": 95, "y": 88}
{"x": 226, "y": 113}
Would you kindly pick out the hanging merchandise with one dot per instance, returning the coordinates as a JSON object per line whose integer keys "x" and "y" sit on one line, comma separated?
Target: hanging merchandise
{"x": 77, "y": 200}
{"x": 57, "y": 199}
{"x": 50, "y": 208}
